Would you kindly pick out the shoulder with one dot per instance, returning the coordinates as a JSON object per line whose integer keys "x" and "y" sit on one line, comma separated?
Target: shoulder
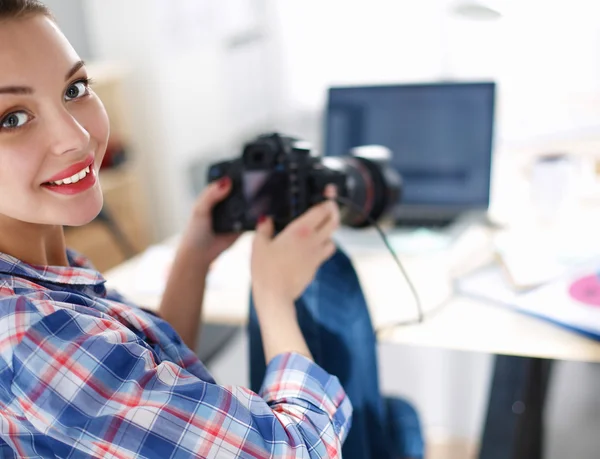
{"x": 32, "y": 320}
{"x": 19, "y": 312}
{"x": 24, "y": 307}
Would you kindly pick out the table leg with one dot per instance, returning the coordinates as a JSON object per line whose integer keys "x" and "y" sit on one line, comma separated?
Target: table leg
{"x": 514, "y": 424}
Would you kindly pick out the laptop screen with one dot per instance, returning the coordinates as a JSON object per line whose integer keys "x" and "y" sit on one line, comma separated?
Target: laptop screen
{"x": 440, "y": 134}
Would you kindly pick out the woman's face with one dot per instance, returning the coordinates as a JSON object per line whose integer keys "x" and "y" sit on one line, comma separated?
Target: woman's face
{"x": 53, "y": 128}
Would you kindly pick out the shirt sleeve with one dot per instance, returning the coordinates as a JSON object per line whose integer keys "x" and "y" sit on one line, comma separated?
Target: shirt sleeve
{"x": 89, "y": 383}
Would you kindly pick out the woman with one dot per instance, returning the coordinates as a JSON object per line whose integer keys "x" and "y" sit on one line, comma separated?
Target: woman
{"x": 82, "y": 372}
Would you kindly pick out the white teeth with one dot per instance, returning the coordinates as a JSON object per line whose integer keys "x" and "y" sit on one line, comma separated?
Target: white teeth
{"x": 73, "y": 179}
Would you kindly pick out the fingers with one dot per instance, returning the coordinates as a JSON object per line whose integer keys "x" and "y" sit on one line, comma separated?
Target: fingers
{"x": 327, "y": 249}
{"x": 329, "y": 226}
{"x": 332, "y": 223}
{"x": 219, "y": 190}
{"x": 317, "y": 224}
{"x": 316, "y": 216}
{"x": 215, "y": 192}
{"x": 265, "y": 228}
{"x": 263, "y": 235}
{"x": 330, "y": 192}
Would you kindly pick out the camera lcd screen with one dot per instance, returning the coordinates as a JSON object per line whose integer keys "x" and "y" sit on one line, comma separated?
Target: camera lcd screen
{"x": 265, "y": 193}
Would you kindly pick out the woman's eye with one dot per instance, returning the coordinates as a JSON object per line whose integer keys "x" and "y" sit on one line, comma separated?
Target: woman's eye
{"x": 14, "y": 120}
{"x": 77, "y": 90}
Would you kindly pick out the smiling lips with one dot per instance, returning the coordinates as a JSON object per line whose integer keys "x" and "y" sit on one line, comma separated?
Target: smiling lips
{"x": 73, "y": 180}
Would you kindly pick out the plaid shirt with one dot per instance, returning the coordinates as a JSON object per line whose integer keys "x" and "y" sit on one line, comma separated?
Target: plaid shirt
{"x": 85, "y": 374}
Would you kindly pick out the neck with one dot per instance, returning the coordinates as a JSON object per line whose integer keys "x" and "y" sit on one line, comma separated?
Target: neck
{"x": 33, "y": 243}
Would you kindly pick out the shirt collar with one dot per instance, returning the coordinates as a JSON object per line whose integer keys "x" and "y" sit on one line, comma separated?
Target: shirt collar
{"x": 79, "y": 272}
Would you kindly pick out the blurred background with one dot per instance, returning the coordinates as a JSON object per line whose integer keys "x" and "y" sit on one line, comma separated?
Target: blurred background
{"x": 187, "y": 82}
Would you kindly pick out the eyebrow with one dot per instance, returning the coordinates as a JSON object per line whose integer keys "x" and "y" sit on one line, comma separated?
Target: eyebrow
{"x": 78, "y": 65}
{"x": 16, "y": 90}
{"x": 20, "y": 90}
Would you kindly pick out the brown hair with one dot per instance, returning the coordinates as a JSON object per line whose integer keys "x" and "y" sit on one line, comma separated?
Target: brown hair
{"x": 18, "y": 9}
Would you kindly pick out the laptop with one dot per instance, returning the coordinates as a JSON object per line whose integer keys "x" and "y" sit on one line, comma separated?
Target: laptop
{"x": 441, "y": 136}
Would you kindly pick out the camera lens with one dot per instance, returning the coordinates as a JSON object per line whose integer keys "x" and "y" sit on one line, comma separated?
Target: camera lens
{"x": 373, "y": 187}
{"x": 379, "y": 190}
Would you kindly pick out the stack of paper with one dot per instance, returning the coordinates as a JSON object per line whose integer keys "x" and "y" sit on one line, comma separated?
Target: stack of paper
{"x": 571, "y": 301}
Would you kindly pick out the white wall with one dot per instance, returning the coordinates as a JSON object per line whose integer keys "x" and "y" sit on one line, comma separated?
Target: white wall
{"x": 544, "y": 55}
{"x": 341, "y": 42}
{"x": 545, "y": 58}
{"x": 73, "y": 22}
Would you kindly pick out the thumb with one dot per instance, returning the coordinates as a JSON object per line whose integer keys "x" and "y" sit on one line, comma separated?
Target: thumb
{"x": 219, "y": 190}
{"x": 265, "y": 228}
{"x": 214, "y": 193}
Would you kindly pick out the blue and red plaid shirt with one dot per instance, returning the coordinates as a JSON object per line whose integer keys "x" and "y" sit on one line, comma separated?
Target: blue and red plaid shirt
{"x": 83, "y": 373}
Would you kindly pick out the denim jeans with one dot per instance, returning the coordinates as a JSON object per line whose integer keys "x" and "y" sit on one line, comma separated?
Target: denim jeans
{"x": 335, "y": 321}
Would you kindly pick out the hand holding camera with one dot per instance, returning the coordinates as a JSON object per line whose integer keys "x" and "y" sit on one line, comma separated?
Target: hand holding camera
{"x": 283, "y": 265}
{"x": 282, "y": 177}
{"x": 289, "y": 195}
{"x": 199, "y": 235}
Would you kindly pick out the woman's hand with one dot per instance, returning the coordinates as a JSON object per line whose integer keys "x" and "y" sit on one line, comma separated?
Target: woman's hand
{"x": 199, "y": 235}
{"x": 283, "y": 266}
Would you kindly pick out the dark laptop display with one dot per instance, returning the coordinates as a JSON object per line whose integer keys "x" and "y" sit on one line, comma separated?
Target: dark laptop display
{"x": 441, "y": 137}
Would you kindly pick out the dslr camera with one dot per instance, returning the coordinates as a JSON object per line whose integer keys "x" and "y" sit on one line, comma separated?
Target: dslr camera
{"x": 282, "y": 177}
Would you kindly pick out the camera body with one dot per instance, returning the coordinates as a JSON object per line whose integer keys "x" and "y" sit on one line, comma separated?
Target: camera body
{"x": 276, "y": 176}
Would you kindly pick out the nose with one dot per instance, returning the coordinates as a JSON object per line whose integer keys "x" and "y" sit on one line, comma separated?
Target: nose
{"x": 65, "y": 133}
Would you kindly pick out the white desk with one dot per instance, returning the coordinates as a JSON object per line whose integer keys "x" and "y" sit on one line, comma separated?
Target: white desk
{"x": 459, "y": 324}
